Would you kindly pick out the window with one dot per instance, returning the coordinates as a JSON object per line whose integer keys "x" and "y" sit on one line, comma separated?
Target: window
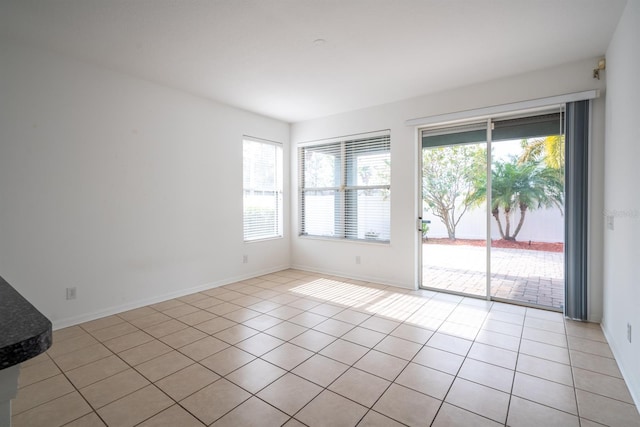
{"x": 262, "y": 185}
{"x": 345, "y": 187}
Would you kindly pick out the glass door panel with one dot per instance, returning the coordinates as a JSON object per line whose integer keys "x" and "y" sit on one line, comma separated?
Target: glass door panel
{"x": 454, "y": 226}
{"x": 527, "y": 206}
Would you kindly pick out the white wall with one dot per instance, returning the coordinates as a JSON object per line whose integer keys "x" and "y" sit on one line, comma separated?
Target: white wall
{"x": 127, "y": 190}
{"x": 398, "y": 262}
{"x": 540, "y": 225}
{"x": 622, "y": 198}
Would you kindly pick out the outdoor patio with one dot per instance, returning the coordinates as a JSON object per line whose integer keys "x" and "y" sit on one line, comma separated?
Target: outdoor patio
{"x": 534, "y": 277}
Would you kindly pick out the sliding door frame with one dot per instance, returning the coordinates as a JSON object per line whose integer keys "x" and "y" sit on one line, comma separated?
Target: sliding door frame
{"x": 489, "y": 160}
{"x": 451, "y": 119}
{"x": 489, "y": 124}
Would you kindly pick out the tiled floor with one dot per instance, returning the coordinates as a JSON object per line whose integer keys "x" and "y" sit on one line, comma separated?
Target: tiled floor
{"x": 295, "y": 348}
{"x": 532, "y": 277}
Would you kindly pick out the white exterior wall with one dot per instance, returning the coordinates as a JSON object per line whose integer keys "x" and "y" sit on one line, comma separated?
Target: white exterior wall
{"x": 541, "y": 225}
{"x": 127, "y": 190}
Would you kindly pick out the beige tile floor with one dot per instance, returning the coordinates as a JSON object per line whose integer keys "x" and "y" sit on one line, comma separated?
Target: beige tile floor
{"x": 295, "y": 348}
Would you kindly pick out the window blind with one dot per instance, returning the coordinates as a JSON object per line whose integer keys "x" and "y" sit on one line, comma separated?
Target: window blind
{"x": 576, "y": 256}
{"x": 345, "y": 187}
{"x": 262, "y": 189}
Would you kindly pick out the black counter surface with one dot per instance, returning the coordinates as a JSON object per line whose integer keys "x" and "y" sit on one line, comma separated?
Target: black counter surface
{"x": 24, "y": 331}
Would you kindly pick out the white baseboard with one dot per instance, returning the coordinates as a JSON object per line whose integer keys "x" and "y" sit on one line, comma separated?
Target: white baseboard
{"x": 363, "y": 278}
{"x": 635, "y": 393}
{"x": 75, "y": 320}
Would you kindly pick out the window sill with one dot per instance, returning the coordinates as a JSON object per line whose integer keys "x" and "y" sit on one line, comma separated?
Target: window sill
{"x": 338, "y": 239}
{"x": 265, "y": 239}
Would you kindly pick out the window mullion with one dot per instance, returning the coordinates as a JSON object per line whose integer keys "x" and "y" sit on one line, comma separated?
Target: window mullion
{"x": 343, "y": 184}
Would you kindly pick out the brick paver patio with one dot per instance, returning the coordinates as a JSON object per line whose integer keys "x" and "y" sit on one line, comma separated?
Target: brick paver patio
{"x": 534, "y": 277}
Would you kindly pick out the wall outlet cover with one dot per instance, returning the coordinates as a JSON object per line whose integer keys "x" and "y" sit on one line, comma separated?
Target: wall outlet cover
{"x": 610, "y": 222}
{"x": 71, "y": 293}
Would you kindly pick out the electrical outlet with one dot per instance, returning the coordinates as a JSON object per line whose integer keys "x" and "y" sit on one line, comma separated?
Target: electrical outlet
{"x": 629, "y": 332}
{"x": 245, "y": 259}
{"x": 71, "y": 293}
{"x": 357, "y": 259}
{"x": 610, "y": 222}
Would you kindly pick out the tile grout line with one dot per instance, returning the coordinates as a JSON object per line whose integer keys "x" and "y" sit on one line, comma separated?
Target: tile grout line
{"x": 515, "y": 367}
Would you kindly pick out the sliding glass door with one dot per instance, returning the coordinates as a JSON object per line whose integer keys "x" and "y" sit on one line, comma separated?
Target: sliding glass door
{"x": 454, "y": 226}
{"x": 493, "y": 206}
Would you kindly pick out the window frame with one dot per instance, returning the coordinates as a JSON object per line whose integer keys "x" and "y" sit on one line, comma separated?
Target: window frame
{"x": 278, "y": 190}
{"x": 347, "y": 151}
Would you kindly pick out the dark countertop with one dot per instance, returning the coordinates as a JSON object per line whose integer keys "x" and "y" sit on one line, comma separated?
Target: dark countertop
{"x": 24, "y": 331}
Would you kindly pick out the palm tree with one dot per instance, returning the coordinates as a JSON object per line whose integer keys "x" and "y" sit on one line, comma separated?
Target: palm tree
{"x": 549, "y": 149}
{"x": 520, "y": 185}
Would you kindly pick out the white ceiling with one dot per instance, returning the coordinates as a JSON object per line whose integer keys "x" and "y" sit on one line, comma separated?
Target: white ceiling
{"x": 260, "y": 55}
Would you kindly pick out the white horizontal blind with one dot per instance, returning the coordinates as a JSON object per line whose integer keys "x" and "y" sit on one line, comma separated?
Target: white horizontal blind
{"x": 262, "y": 185}
{"x": 345, "y": 189}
